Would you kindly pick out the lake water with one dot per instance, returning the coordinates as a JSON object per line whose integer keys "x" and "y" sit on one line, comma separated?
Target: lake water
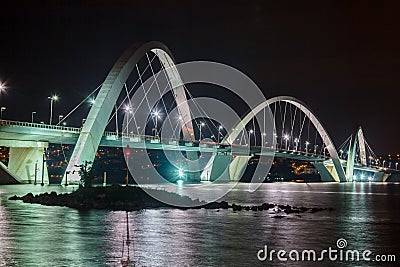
{"x": 366, "y": 215}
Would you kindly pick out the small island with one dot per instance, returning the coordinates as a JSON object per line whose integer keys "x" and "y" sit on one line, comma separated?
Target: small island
{"x": 130, "y": 198}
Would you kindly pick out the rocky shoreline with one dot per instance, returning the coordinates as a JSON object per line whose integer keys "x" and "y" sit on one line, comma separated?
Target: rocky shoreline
{"x": 129, "y": 198}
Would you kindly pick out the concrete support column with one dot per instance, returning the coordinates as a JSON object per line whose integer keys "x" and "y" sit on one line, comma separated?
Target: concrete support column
{"x": 237, "y": 167}
{"x": 326, "y": 172}
{"x": 24, "y": 157}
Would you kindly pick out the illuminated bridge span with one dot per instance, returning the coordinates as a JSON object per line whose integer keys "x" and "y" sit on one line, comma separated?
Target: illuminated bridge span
{"x": 298, "y": 134}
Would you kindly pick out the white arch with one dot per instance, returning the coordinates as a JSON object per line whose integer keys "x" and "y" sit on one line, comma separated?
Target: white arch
{"x": 315, "y": 121}
{"x": 96, "y": 122}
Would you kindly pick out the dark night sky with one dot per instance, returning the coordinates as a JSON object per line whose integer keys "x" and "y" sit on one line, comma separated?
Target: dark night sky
{"x": 340, "y": 57}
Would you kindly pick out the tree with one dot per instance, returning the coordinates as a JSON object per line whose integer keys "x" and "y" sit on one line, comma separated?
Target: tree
{"x": 86, "y": 173}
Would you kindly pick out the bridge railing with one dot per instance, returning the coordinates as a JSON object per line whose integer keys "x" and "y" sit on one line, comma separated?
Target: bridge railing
{"x": 39, "y": 125}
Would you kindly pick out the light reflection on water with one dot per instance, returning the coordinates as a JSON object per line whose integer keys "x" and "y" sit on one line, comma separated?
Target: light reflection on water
{"x": 366, "y": 215}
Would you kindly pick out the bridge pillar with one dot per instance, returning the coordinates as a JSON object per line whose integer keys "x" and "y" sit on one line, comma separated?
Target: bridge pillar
{"x": 24, "y": 157}
{"x": 327, "y": 172}
{"x": 224, "y": 169}
{"x": 219, "y": 168}
{"x": 385, "y": 176}
{"x": 237, "y": 167}
{"x": 351, "y": 158}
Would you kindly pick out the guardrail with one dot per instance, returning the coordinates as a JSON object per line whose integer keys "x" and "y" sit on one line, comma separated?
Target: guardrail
{"x": 39, "y": 125}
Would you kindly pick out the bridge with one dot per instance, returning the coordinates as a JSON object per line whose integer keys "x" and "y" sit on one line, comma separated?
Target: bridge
{"x": 277, "y": 127}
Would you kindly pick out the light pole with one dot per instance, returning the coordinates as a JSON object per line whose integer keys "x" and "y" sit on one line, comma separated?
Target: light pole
{"x": 60, "y": 118}
{"x": 396, "y": 165}
{"x": 296, "y": 143}
{"x": 383, "y": 163}
{"x": 52, "y": 99}
{"x": 2, "y": 86}
{"x": 251, "y": 131}
{"x": 2, "y": 109}
{"x": 219, "y": 131}
{"x": 263, "y": 142}
{"x": 315, "y": 149}
{"x": 128, "y": 110}
{"x": 307, "y": 143}
{"x": 33, "y": 114}
{"x": 286, "y": 138}
{"x": 201, "y": 126}
{"x": 156, "y": 116}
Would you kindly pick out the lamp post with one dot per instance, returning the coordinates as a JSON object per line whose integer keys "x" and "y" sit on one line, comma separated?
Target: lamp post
{"x": 128, "y": 110}
{"x": 219, "y": 131}
{"x": 201, "y": 126}
{"x": 33, "y": 114}
{"x": 60, "y": 118}
{"x": 296, "y": 143}
{"x": 315, "y": 149}
{"x": 263, "y": 142}
{"x": 307, "y": 143}
{"x": 286, "y": 138}
{"x": 251, "y": 131}
{"x": 156, "y": 116}
{"x": 52, "y": 99}
{"x": 2, "y": 109}
{"x": 396, "y": 165}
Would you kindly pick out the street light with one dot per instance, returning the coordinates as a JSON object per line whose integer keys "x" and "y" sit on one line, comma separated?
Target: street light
{"x": 263, "y": 142}
{"x": 156, "y": 116}
{"x": 315, "y": 149}
{"x": 60, "y": 118}
{"x": 250, "y": 133}
{"x": 396, "y": 165}
{"x": 33, "y": 114}
{"x": 2, "y": 86}
{"x": 296, "y": 142}
{"x": 202, "y": 124}
{"x": 307, "y": 143}
{"x": 2, "y": 109}
{"x": 219, "y": 131}
{"x": 286, "y": 138}
{"x": 52, "y": 99}
{"x": 383, "y": 163}
{"x": 128, "y": 110}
